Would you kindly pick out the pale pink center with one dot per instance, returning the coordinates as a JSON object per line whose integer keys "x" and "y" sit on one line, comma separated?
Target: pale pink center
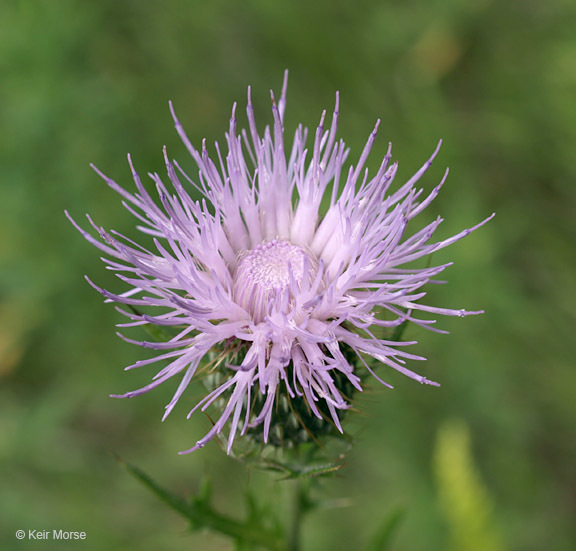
{"x": 266, "y": 273}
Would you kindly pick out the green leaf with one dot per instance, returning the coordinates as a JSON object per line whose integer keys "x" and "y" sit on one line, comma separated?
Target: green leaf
{"x": 201, "y": 515}
{"x": 382, "y": 541}
{"x": 295, "y": 470}
{"x": 175, "y": 502}
{"x": 466, "y": 501}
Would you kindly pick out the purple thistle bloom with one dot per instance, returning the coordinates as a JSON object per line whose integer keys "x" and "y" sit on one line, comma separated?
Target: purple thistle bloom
{"x": 255, "y": 264}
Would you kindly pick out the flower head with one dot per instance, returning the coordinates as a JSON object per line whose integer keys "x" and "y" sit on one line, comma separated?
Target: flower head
{"x": 293, "y": 267}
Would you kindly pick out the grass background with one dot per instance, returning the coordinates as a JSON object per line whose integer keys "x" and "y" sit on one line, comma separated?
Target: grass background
{"x": 85, "y": 82}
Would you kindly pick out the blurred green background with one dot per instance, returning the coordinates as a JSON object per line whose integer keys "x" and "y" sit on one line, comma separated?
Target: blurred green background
{"x": 85, "y": 82}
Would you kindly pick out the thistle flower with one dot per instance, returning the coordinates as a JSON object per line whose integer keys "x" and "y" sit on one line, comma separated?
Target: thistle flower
{"x": 295, "y": 300}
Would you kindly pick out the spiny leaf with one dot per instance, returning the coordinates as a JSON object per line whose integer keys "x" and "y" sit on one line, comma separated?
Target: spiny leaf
{"x": 200, "y": 514}
{"x": 293, "y": 471}
{"x": 175, "y": 502}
